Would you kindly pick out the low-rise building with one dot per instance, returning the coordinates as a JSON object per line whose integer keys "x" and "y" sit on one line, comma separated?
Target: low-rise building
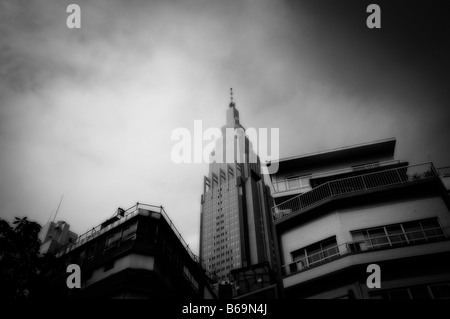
{"x": 339, "y": 211}
{"x": 138, "y": 253}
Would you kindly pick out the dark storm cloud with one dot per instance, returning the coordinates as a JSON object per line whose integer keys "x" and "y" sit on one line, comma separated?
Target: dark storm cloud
{"x": 391, "y": 81}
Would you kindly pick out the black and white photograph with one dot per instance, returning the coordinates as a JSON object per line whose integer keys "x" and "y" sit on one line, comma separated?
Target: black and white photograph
{"x": 229, "y": 154}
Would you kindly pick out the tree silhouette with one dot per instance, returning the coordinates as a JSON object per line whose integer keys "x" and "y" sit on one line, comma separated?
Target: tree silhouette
{"x": 22, "y": 269}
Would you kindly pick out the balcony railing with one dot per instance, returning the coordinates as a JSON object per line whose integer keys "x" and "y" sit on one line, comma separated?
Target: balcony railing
{"x": 371, "y": 244}
{"x": 303, "y": 181}
{"x": 444, "y": 171}
{"x": 127, "y": 214}
{"x": 360, "y": 183}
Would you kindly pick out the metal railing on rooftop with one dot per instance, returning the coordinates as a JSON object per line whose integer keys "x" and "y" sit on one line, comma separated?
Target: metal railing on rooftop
{"x": 303, "y": 181}
{"x": 127, "y": 214}
{"x": 444, "y": 171}
{"x": 370, "y": 244}
{"x": 354, "y": 184}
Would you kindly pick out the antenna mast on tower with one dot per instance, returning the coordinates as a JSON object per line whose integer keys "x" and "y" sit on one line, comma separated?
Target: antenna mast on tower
{"x": 58, "y": 207}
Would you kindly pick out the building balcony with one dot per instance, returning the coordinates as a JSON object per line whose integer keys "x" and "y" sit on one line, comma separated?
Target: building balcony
{"x": 302, "y": 183}
{"x": 375, "y": 249}
{"x": 362, "y": 183}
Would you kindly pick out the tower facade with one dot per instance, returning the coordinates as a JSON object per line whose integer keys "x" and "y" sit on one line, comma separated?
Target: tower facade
{"x": 235, "y": 229}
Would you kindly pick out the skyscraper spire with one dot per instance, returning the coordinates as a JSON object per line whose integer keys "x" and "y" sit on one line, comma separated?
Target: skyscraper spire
{"x": 232, "y": 104}
{"x": 232, "y": 113}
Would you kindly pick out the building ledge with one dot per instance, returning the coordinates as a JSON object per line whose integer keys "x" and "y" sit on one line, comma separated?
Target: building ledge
{"x": 350, "y": 259}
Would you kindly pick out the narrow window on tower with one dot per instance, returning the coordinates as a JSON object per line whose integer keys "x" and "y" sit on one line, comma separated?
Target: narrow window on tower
{"x": 222, "y": 177}
{"x": 207, "y": 184}
{"x": 230, "y": 174}
{"x": 215, "y": 180}
{"x": 230, "y": 171}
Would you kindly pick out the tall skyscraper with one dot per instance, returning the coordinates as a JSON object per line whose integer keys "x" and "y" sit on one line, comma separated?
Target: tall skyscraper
{"x": 235, "y": 229}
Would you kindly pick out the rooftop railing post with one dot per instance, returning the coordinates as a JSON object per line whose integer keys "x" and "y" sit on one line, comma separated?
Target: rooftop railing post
{"x": 399, "y": 177}
{"x": 363, "y": 183}
{"x": 433, "y": 169}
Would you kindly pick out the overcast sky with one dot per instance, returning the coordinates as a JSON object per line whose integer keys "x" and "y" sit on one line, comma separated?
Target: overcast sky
{"x": 89, "y": 112}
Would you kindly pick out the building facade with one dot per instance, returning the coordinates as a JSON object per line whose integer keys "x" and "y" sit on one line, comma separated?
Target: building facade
{"x": 235, "y": 222}
{"x": 336, "y": 212}
{"x": 138, "y": 253}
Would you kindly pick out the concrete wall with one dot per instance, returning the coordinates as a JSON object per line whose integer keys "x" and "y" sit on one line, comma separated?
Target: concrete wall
{"x": 308, "y": 233}
{"x": 339, "y": 223}
{"x": 133, "y": 261}
{"x": 341, "y": 292}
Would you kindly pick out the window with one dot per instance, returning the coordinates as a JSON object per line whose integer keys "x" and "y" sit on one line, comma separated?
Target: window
{"x": 315, "y": 253}
{"x": 425, "y": 229}
{"x": 377, "y": 237}
{"x": 230, "y": 171}
{"x": 129, "y": 233}
{"x": 414, "y": 231}
{"x": 439, "y": 291}
{"x": 81, "y": 257}
{"x": 91, "y": 251}
{"x": 432, "y": 228}
{"x": 419, "y": 292}
{"x": 399, "y": 294}
{"x": 397, "y": 235}
{"x": 222, "y": 177}
{"x": 295, "y": 182}
{"x": 112, "y": 241}
{"x": 365, "y": 166}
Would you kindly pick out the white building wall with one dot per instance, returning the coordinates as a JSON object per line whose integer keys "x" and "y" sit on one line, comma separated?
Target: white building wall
{"x": 339, "y": 223}
{"x": 309, "y": 233}
{"x": 393, "y": 212}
